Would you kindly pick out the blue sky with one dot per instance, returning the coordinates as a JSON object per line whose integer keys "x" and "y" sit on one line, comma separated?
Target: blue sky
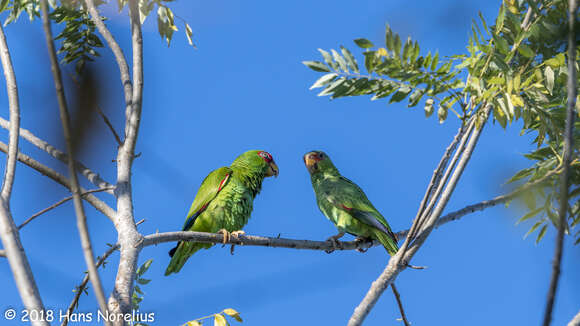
{"x": 245, "y": 88}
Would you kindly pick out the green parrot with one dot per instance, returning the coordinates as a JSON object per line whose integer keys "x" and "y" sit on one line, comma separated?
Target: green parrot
{"x": 346, "y": 205}
{"x": 223, "y": 202}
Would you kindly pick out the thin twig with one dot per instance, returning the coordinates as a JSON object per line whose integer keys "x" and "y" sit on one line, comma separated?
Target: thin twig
{"x": 81, "y": 288}
{"x": 102, "y": 114}
{"x": 98, "y": 204}
{"x": 55, "y": 205}
{"x": 400, "y": 304}
{"x": 75, "y": 188}
{"x": 93, "y": 177}
{"x": 21, "y": 271}
{"x": 117, "y": 52}
{"x": 566, "y": 159}
{"x": 111, "y": 128}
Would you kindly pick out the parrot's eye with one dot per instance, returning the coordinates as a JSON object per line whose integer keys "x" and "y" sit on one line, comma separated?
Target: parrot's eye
{"x": 266, "y": 156}
{"x": 321, "y": 155}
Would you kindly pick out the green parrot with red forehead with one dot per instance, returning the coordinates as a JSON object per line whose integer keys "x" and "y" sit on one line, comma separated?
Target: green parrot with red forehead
{"x": 345, "y": 204}
{"x": 224, "y": 202}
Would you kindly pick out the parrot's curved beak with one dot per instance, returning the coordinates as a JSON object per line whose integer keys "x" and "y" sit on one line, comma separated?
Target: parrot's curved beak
{"x": 272, "y": 170}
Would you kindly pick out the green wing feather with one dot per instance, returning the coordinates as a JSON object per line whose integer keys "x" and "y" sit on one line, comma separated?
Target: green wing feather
{"x": 350, "y": 198}
{"x": 210, "y": 187}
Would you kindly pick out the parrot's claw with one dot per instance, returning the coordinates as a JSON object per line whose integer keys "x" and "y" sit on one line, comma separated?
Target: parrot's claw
{"x": 226, "y": 235}
{"x": 237, "y": 234}
{"x": 335, "y": 243}
{"x": 362, "y": 240}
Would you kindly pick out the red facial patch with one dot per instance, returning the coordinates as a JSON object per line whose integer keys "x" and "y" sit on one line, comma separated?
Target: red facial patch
{"x": 265, "y": 156}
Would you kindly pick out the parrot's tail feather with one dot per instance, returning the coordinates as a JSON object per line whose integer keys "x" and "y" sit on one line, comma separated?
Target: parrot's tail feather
{"x": 388, "y": 242}
{"x": 181, "y": 253}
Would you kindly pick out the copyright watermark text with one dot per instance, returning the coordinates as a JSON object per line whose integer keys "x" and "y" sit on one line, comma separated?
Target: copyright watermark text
{"x": 51, "y": 315}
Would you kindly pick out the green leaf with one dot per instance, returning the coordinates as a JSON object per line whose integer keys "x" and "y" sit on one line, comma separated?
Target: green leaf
{"x": 389, "y": 42}
{"x": 530, "y": 214}
{"x": 442, "y": 113}
{"x": 189, "y": 34}
{"x": 330, "y": 88}
{"x": 219, "y": 320}
{"x": 435, "y": 61}
{"x": 549, "y": 73}
{"x": 338, "y": 58}
{"x": 397, "y": 49}
{"x": 233, "y": 313}
{"x": 407, "y": 49}
{"x": 501, "y": 44}
{"x": 316, "y": 66}
{"x": 350, "y": 60}
{"x": 534, "y": 227}
{"x": 483, "y": 21}
{"x": 400, "y": 94}
{"x": 143, "y": 268}
{"x": 521, "y": 174}
{"x": 143, "y": 281}
{"x": 541, "y": 234}
{"x": 328, "y": 59}
{"x": 415, "y": 97}
{"x": 325, "y": 79}
{"x": 500, "y": 19}
{"x": 526, "y": 51}
{"x": 364, "y": 43}
{"x": 428, "y": 107}
{"x": 144, "y": 9}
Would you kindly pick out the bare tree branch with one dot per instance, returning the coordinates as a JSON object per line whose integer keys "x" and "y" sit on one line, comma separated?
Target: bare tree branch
{"x": 13, "y": 249}
{"x": 75, "y": 188}
{"x": 117, "y": 52}
{"x": 399, "y": 262}
{"x": 575, "y": 321}
{"x": 81, "y": 288}
{"x": 55, "y": 205}
{"x": 93, "y": 177}
{"x": 566, "y": 159}
{"x": 247, "y": 240}
{"x": 14, "y": 124}
{"x": 62, "y": 180}
{"x": 128, "y": 236}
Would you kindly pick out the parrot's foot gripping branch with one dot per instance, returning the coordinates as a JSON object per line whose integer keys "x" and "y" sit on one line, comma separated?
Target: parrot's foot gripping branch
{"x": 335, "y": 243}
{"x": 363, "y": 240}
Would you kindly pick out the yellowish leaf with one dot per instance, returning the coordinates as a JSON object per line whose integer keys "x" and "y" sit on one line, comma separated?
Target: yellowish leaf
{"x": 233, "y": 313}
{"x": 219, "y": 320}
{"x": 517, "y": 100}
{"x": 382, "y": 52}
{"x": 193, "y": 323}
